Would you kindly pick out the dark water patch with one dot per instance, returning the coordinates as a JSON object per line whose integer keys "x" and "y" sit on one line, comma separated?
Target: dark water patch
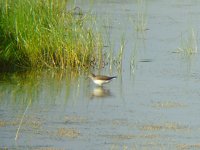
{"x": 108, "y": 26}
{"x": 146, "y": 60}
{"x": 106, "y": 46}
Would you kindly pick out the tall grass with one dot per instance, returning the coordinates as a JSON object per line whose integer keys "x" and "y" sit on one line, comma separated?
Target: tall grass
{"x": 43, "y": 33}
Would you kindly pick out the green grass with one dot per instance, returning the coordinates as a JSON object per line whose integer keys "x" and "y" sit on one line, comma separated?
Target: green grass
{"x": 44, "y": 34}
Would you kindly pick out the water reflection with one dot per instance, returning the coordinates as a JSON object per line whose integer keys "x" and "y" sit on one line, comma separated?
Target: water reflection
{"x": 18, "y": 88}
{"x": 100, "y": 92}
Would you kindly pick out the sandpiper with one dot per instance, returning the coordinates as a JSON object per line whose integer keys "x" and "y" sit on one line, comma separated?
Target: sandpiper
{"x": 100, "y": 79}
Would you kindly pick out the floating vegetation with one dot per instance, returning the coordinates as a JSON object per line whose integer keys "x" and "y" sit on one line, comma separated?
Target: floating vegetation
{"x": 132, "y": 136}
{"x": 75, "y": 119}
{"x": 5, "y": 123}
{"x": 118, "y": 146}
{"x": 151, "y": 127}
{"x": 33, "y": 123}
{"x": 168, "y": 104}
{"x": 68, "y": 132}
{"x": 188, "y": 146}
{"x": 2, "y": 123}
{"x": 189, "y": 46}
{"x": 150, "y": 136}
{"x": 166, "y": 126}
{"x": 120, "y": 122}
{"x": 121, "y": 136}
{"x": 44, "y": 34}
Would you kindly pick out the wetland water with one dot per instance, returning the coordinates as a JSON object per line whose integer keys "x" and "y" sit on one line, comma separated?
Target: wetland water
{"x": 154, "y": 104}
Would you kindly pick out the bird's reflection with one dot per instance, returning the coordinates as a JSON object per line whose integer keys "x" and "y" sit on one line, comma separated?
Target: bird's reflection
{"x": 100, "y": 92}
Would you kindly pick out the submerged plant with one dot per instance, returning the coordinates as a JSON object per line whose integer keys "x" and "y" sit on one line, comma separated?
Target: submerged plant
{"x": 39, "y": 34}
{"x": 189, "y": 46}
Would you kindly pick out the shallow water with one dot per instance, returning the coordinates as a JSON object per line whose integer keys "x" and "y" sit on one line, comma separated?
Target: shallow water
{"x": 153, "y": 105}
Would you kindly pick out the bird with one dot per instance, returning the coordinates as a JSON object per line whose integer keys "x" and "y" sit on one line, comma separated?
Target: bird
{"x": 100, "y": 79}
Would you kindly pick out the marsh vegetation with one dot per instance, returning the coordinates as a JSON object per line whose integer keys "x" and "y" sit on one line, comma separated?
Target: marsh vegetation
{"x": 44, "y": 34}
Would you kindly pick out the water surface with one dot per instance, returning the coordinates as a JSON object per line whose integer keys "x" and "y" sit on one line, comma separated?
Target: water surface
{"x": 153, "y": 104}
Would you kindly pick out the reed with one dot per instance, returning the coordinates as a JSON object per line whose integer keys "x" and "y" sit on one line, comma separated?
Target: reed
{"x": 141, "y": 18}
{"x": 44, "y": 34}
{"x": 114, "y": 58}
{"x": 189, "y": 45}
{"x": 121, "y": 53}
{"x": 133, "y": 59}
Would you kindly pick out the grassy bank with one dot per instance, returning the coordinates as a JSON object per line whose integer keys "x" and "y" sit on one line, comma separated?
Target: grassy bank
{"x": 44, "y": 34}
